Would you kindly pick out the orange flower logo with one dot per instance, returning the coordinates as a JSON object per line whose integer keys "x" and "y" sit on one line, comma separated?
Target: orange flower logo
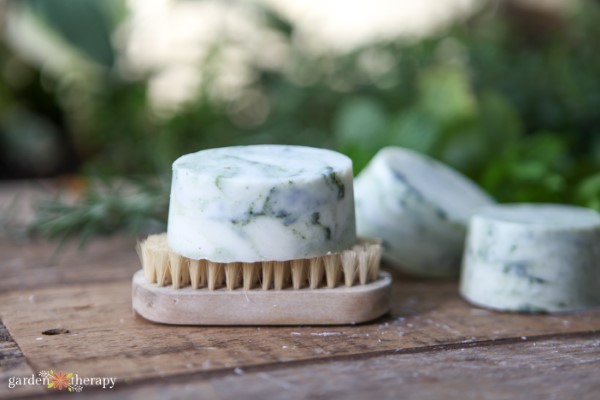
{"x": 60, "y": 380}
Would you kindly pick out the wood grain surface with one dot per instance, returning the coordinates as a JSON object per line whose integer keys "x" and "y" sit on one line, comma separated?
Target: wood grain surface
{"x": 432, "y": 344}
{"x": 545, "y": 368}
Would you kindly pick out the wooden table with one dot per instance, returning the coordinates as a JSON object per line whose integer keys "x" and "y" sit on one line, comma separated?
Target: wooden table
{"x": 433, "y": 344}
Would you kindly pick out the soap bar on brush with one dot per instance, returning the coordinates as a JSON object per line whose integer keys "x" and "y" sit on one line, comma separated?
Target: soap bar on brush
{"x": 420, "y": 208}
{"x": 261, "y": 203}
{"x": 533, "y": 258}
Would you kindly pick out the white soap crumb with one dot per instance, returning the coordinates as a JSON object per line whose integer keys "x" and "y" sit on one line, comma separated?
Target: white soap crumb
{"x": 319, "y": 350}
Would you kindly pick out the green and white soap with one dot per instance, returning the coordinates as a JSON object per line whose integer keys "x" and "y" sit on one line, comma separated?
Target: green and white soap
{"x": 261, "y": 203}
{"x": 420, "y": 208}
{"x": 533, "y": 258}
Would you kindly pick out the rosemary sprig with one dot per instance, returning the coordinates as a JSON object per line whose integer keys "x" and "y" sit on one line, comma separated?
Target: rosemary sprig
{"x": 135, "y": 206}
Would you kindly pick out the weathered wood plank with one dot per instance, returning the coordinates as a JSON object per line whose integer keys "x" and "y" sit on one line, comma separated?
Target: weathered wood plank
{"x": 559, "y": 368}
{"x": 41, "y": 263}
{"x": 13, "y": 363}
{"x": 104, "y": 335}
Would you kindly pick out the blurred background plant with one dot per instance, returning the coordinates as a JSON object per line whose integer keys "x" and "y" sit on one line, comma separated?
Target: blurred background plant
{"x": 506, "y": 91}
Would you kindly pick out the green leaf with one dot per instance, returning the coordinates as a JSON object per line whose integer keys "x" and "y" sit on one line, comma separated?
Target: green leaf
{"x": 547, "y": 148}
{"x": 446, "y": 95}
{"x": 360, "y": 121}
{"x": 466, "y": 150}
{"x": 588, "y": 192}
{"x": 499, "y": 121}
{"x": 531, "y": 170}
{"x": 415, "y": 130}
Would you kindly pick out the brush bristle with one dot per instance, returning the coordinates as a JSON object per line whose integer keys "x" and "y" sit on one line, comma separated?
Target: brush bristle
{"x": 267, "y": 275}
{"x": 298, "y": 268}
{"x": 359, "y": 265}
{"x": 349, "y": 266}
{"x": 280, "y": 274}
{"x": 232, "y": 272}
{"x": 249, "y": 275}
{"x": 332, "y": 269}
{"x": 315, "y": 272}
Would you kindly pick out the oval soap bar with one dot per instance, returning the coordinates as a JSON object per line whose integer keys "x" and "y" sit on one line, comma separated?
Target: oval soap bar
{"x": 261, "y": 203}
{"x": 533, "y": 258}
{"x": 420, "y": 208}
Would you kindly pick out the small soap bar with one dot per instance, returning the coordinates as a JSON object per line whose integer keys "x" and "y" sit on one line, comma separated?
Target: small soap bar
{"x": 261, "y": 203}
{"x": 420, "y": 208}
{"x": 533, "y": 258}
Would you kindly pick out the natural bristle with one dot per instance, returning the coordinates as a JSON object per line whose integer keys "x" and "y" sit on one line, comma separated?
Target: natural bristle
{"x": 374, "y": 257}
{"x": 332, "y": 269}
{"x": 316, "y": 272}
{"x": 249, "y": 275}
{"x": 349, "y": 263}
{"x": 178, "y": 266}
{"x": 162, "y": 266}
{"x": 280, "y": 274}
{"x": 232, "y": 271}
{"x": 267, "y": 275}
{"x": 215, "y": 275}
{"x": 298, "y": 268}
{"x": 195, "y": 274}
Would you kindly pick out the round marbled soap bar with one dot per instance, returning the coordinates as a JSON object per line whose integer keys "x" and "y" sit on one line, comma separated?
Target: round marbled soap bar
{"x": 261, "y": 203}
{"x": 420, "y": 208}
{"x": 533, "y": 258}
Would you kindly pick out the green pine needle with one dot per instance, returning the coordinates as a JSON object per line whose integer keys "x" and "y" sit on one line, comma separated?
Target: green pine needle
{"x": 134, "y": 206}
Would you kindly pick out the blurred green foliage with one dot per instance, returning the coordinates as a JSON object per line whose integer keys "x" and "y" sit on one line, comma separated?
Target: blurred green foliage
{"x": 87, "y": 25}
{"x": 511, "y": 97}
